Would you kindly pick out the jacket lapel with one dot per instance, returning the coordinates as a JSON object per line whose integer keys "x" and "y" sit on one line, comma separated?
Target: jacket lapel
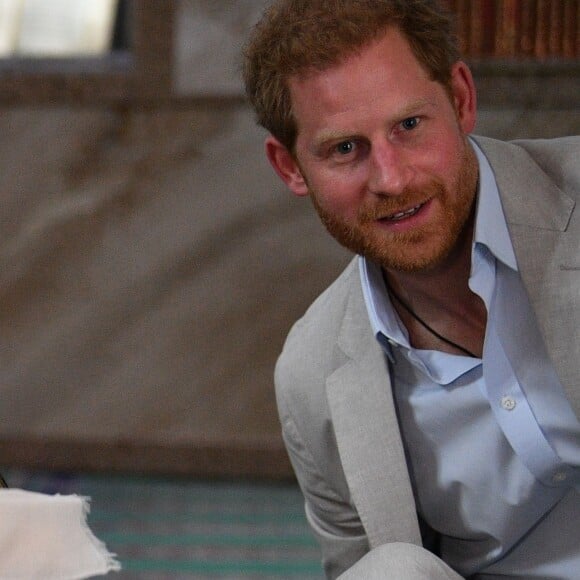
{"x": 547, "y": 246}
{"x": 367, "y": 432}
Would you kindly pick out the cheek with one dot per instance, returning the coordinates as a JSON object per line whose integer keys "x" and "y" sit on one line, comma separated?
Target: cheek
{"x": 446, "y": 168}
{"x": 445, "y": 146}
{"x": 341, "y": 193}
{"x": 340, "y": 204}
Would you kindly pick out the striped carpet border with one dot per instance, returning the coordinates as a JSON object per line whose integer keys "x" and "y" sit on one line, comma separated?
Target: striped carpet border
{"x": 164, "y": 529}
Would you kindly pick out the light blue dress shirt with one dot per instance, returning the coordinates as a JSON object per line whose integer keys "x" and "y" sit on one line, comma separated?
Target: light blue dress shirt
{"x": 494, "y": 443}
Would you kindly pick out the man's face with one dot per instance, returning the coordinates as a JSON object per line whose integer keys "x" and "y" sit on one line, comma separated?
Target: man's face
{"x": 382, "y": 152}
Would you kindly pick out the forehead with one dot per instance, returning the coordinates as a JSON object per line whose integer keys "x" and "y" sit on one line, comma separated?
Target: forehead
{"x": 386, "y": 68}
{"x": 382, "y": 79}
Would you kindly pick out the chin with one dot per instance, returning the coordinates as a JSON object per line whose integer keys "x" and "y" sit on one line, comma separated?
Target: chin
{"x": 408, "y": 259}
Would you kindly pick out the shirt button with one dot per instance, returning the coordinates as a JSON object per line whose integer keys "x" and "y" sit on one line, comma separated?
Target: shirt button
{"x": 559, "y": 477}
{"x": 508, "y": 403}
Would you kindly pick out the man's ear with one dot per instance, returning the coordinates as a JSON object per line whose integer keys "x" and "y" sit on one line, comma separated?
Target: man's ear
{"x": 285, "y": 166}
{"x": 464, "y": 96}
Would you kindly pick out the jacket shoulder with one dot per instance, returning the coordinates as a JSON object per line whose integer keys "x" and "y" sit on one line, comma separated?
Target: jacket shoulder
{"x": 556, "y": 158}
{"x": 309, "y": 356}
{"x": 309, "y": 353}
{"x": 559, "y": 160}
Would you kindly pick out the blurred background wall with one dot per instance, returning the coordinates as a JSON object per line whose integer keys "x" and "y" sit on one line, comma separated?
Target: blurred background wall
{"x": 151, "y": 263}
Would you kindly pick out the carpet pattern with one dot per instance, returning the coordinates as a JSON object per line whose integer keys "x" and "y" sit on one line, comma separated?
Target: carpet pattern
{"x": 164, "y": 529}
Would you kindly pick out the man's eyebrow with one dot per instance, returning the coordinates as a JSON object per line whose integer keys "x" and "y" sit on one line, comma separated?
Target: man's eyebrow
{"x": 413, "y": 108}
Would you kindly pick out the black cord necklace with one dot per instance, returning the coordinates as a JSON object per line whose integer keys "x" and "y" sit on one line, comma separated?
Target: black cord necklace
{"x": 423, "y": 323}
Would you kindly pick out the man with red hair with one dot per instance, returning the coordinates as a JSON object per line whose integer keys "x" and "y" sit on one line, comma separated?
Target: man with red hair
{"x": 429, "y": 397}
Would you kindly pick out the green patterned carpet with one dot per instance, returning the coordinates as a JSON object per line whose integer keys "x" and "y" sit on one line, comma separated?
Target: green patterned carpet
{"x": 180, "y": 529}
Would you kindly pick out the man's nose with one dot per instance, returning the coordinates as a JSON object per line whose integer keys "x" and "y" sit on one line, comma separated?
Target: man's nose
{"x": 389, "y": 170}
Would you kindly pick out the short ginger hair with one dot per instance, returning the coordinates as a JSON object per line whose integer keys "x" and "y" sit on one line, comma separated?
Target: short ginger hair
{"x": 296, "y": 37}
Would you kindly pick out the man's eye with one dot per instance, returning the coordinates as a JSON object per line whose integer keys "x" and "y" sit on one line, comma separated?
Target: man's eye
{"x": 410, "y": 123}
{"x": 345, "y": 147}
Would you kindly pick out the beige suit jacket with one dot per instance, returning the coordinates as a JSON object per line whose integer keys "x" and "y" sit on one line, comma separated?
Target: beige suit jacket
{"x": 332, "y": 379}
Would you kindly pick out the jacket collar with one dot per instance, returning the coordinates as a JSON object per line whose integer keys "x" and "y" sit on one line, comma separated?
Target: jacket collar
{"x": 529, "y": 196}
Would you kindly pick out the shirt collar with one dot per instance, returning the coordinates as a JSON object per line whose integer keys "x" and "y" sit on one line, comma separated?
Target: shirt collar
{"x": 490, "y": 224}
{"x": 384, "y": 321}
{"x": 490, "y": 231}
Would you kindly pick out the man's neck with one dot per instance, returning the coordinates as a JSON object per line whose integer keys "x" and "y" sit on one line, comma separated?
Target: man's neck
{"x": 442, "y": 298}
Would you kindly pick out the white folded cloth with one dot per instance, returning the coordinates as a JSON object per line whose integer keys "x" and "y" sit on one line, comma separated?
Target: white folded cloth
{"x": 46, "y": 537}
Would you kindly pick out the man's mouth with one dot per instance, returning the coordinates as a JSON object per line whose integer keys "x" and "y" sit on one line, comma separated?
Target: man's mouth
{"x": 401, "y": 215}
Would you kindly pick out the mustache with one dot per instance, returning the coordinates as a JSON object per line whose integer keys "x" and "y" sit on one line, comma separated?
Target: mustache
{"x": 388, "y": 205}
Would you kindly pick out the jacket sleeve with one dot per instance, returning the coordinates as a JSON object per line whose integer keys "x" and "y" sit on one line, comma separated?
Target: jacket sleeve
{"x": 337, "y": 527}
{"x": 401, "y": 561}
{"x": 334, "y": 522}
